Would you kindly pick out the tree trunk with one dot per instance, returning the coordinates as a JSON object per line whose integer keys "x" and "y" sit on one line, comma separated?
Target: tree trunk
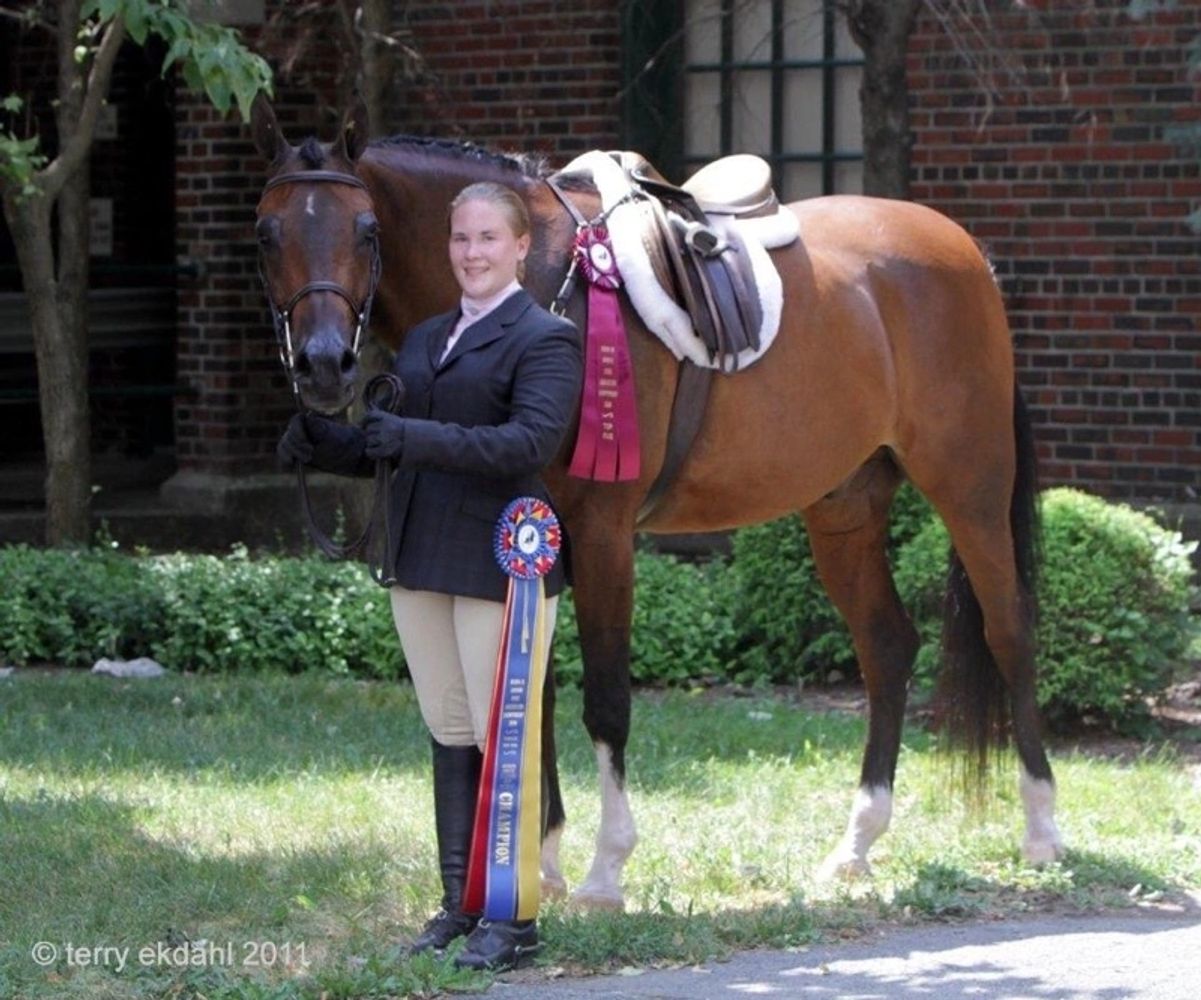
{"x": 68, "y": 462}
{"x": 881, "y": 29}
{"x": 377, "y": 61}
{"x": 60, "y": 378}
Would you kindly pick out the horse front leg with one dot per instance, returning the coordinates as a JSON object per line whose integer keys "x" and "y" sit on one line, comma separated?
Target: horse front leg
{"x": 603, "y": 567}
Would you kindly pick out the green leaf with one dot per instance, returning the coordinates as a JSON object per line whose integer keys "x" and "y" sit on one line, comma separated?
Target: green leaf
{"x": 12, "y": 103}
{"x": 135, "y": 22}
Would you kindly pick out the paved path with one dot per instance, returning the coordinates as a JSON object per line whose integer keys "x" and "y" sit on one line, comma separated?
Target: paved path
{"x": 1139, "y": 955}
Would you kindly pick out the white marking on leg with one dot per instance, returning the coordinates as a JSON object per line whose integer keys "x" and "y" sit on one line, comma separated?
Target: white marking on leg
{"x": 615, "y": 841}
{"x": 870, "y": 815}
{"x": 554, "y": 885}
{"x": 1042, "y": 842}
{"x": 308, "y": 205}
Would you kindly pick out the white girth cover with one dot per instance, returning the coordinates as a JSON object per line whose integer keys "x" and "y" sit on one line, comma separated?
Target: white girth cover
{"x": 661, "y": 315}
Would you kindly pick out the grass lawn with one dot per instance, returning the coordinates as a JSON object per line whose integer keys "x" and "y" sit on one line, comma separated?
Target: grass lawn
{"x": 283, "y": 827}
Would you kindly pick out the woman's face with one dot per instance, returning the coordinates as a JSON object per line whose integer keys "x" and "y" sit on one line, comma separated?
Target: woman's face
{"x": 484, "y": 250}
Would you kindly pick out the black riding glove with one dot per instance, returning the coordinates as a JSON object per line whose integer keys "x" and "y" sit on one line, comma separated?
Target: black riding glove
{"x": 385, "y": 434}
{"x": 296, "y": 445}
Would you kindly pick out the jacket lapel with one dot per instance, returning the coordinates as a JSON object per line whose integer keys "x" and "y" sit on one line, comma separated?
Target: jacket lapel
{"x": 489, "y": 328}
{"x": 438, "y": 337}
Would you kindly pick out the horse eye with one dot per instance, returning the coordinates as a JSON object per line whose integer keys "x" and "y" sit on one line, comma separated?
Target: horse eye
{"x": 267, "y": 232}
{"x": 367, "y": 226}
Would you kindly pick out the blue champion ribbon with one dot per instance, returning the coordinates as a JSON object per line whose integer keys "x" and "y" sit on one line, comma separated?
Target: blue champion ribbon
{"x": 502, "y": 875}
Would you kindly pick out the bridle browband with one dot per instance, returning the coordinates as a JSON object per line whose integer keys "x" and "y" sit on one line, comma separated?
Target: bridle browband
{"x": 282, "y": 318}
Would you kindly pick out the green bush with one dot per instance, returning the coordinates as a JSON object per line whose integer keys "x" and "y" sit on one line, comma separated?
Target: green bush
{"x": 275, "y": 614}
{"x": 217, "y": 613}
{"x": 788, "y": 627}
{"x": 1114, "y": 593}
{"x": 683, "y": 626}
{"x": 196, "y": 613}
{"x": 72, "y": 606}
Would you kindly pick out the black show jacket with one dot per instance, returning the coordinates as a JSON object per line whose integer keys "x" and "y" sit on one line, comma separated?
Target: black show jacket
{"x": 479, "y": 428}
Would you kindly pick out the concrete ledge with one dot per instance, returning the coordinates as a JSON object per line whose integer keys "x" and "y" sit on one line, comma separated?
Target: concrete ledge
{"x": 265, "y": 509}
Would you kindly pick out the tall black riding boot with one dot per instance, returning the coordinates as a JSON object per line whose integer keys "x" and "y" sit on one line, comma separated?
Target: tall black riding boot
{"x": 456, "y": 784}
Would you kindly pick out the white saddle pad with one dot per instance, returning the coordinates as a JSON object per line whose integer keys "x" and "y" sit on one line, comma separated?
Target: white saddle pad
{"x": 662, "y": 316}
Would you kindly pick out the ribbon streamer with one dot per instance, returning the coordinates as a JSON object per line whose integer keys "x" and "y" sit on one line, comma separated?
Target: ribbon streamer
{"x": 503, "y": 877}
{"x": 607, "y": 447}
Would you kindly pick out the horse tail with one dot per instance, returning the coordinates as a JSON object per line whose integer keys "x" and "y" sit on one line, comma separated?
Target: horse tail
{"x": 973, "y": 697}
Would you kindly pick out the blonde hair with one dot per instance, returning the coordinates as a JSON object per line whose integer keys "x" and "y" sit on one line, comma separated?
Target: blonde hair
{"x": 504, "y": 198}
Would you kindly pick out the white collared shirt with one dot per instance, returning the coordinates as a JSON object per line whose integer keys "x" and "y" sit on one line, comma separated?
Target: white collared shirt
{"x": 471, "y": 311}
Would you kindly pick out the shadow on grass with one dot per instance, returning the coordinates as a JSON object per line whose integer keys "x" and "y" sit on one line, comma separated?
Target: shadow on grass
{"x": 81, "y": 870}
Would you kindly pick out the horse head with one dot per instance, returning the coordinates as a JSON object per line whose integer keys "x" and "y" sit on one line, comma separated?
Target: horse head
{"x": 318, "y": 254}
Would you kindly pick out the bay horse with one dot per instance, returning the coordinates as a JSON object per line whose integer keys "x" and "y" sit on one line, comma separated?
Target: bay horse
{"x": 893, "y": 360}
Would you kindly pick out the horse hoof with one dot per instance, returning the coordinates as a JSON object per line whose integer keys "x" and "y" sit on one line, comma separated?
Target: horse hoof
{"x": 597, "y": 900}
{"x": 1042, "y": 852}
{"x": 839, "y": 868}
{"x": 554, "y": 888}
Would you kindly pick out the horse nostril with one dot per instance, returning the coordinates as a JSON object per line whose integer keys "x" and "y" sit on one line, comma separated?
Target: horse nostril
{"x": 303, "y": 365}
{"x": 348, "y": 360}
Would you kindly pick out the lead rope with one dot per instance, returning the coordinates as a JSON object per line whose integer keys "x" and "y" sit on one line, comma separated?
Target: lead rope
{"x": 386, "y": 392}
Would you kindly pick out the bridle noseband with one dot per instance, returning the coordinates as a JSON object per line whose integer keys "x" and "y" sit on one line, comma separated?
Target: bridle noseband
{"x": 282, "y": 318}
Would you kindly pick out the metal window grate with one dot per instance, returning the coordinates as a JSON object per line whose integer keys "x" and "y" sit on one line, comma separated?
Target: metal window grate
{"x": 825, "y": 73}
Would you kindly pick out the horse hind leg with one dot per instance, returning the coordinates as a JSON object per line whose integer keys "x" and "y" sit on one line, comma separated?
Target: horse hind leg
{"x": 848, "y": 533}
{"x": 989, "y": 675}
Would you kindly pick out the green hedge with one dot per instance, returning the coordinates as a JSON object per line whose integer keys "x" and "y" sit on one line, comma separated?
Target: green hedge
{"x": 1114, "y": 595}
{"x": 209, "y": 613}
{"x": 787, "y": 626}
{"x": 194, "y": 612}
{"x": 1115, "y": 591}
{"x": 684, "y": 628}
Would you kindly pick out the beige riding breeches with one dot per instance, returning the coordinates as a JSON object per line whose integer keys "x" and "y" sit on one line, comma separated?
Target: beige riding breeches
{"x": 450, "y": 646}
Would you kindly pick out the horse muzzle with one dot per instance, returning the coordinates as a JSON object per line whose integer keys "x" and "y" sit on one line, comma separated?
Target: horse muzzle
{"x": 325, "y": 371}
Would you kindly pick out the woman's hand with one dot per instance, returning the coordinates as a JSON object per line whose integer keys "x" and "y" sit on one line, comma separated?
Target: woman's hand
{"x": 385, "y": 434}
{"x": 296, "y": 445}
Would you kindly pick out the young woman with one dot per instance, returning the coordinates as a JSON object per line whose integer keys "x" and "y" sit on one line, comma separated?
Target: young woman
{"x": 490, "y": 390}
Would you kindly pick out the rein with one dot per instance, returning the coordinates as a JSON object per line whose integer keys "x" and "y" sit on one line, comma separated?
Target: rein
{"x": 386, "y": 392}
{"x": 281, "y": 318}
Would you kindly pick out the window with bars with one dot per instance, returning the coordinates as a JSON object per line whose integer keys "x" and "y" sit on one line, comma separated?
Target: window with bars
{"x": 779, "y": 78}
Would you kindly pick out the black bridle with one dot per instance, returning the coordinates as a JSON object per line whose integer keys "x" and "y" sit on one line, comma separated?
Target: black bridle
{"x": 385, "y": 391}
{"x": 281, "y": 318}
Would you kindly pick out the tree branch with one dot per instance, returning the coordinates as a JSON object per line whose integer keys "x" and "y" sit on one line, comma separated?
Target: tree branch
{"x": 74, "y": 149}
{"x": 26, "y": 17}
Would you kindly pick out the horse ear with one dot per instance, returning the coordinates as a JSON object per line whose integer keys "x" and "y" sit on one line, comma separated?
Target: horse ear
{"x": 355, "y": 129}
{"x": 265, "y": 129}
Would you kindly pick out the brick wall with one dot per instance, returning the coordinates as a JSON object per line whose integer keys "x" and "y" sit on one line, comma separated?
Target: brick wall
{"x": 1067, "y": 178}
{"x": 1064, "y": 174}
{"x": 519, "y": 75}
{"x": 522, "y": 74}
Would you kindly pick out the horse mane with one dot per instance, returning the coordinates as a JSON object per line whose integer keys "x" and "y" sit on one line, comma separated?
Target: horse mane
{"x": 526, "y": 164}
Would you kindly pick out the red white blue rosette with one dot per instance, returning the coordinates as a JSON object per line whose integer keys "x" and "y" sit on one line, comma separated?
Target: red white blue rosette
{"x": 502, "y": 871}
{"x": 527, "y": 539}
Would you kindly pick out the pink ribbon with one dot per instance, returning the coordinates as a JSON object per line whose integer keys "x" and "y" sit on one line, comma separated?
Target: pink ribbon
{"x": 607, "y": 447}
